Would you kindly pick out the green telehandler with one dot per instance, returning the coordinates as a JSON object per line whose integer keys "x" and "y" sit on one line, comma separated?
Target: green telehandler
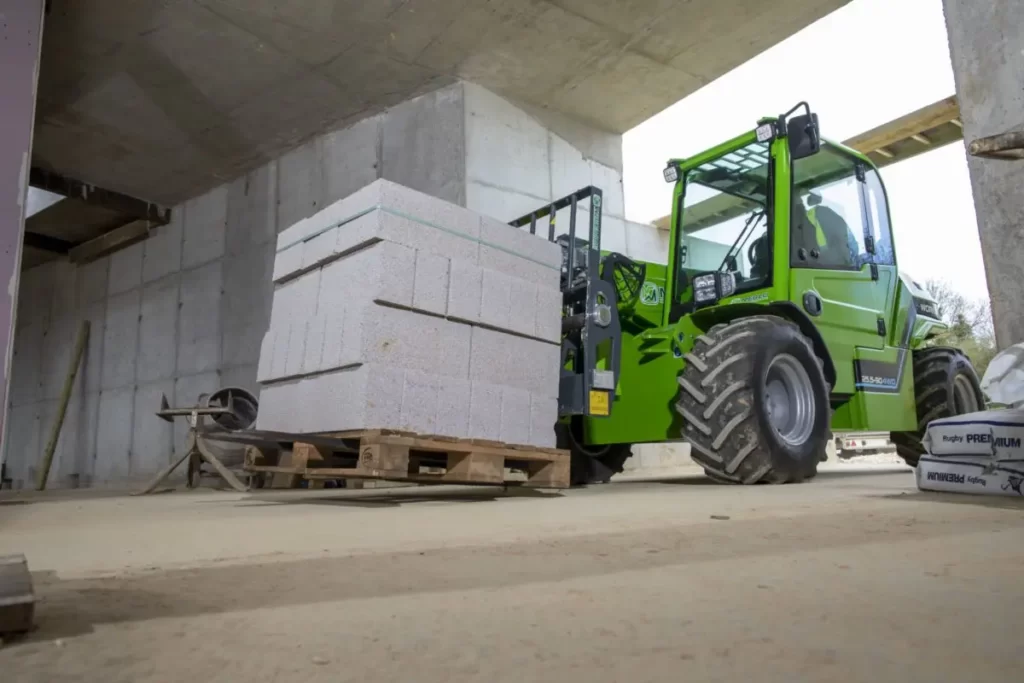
{"x": 779, "y": 317}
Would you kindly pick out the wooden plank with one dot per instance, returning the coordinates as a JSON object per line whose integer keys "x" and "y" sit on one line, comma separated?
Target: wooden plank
{"x": 384, "y": 459}
{"x": 420, "y": 444}
{"x": 554, "y": 474}
{"x": 475, "y": 468}
{"x": 17, "y": 600}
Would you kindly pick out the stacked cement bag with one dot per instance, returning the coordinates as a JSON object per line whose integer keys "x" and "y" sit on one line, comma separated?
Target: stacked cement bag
{"x": 975, "y": 453}
{"x": 396, "y": 310}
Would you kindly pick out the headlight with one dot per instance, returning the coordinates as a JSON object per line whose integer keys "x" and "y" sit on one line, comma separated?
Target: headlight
{"x": 726, "y": 284}
{"x": 704, "y": 289}
{"x": 671, "y": 173}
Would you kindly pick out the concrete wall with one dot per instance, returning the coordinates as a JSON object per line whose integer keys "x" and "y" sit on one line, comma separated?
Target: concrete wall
{"x": 985, "y": 41}
{"x": 21, "y": 31}
{"x": 185, "y": 311}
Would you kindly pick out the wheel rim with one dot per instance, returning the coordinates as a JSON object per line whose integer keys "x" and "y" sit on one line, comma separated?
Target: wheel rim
{"x": 789, "y": 400}
{"x": 965, "y": 400}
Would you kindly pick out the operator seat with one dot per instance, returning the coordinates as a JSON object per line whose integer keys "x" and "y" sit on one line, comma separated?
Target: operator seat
{"x": 802, "y": 233}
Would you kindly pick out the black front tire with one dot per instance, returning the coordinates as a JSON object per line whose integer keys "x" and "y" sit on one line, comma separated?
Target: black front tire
{"x": 724, "y": 409}
{"x": 945, "y": 385}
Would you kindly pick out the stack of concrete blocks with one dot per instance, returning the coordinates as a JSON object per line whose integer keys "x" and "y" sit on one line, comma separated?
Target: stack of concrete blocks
{"x": 394, "y": 309}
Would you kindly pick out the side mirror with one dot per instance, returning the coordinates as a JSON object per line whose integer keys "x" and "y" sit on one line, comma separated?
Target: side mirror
{"x": 804, "y": 136}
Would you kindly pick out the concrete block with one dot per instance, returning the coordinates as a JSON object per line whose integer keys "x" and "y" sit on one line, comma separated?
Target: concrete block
{"x": 548, "y": 322}
{"x": 295, "y": 300}
{"x": 114, "y": 436}
{"x": 423, "y": 144}
{"x": 419, "y": 402}
{"x": 299, "y": 183}
{"x": 161, "y": 253}
{"x": 263, "y": 371}
{"x": 363, "y": 397}
{"x": 125, "y": 269}
{"x": 91, "y": 281}
{"x": 340, "y": 330}
{"x": 485, "y": 411}
{"x": 523, "y": 302}
{"x": 504, "y": 359}
{"x": 543, "y": 416}
{"x": 453, "y": 407}
{"x": 252, "y": 210}
{"x": 313, "y": 347}
{"x": 383, "y": 272}
{"x": 411, "y": 341}
{"x": 199, "y": 319}
{"x": 515, "y": 416}
{"x": 295, "y": 355}
{"x": 349, "y": 158}
{"x": 158, "y": 331}
{"x": 430, "y": 289}
{"x": 464, "y": 291}
{"x": 495, "y": 299}
{"x": 288, "y": 262}
{"x": 120, "y": 340}
{"x": 519, "y": 254}
{"x": 205, "y": 228}
{"x": 246, "y": 302}
{"x": 152, "y": 444}
{"x": 279, "y": 355}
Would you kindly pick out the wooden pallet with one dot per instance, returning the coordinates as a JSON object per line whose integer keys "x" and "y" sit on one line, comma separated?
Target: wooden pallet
{"x": 404, "y": 456}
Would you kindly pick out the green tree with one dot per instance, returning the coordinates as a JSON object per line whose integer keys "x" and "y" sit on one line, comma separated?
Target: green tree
{"x": 970, "y": 324}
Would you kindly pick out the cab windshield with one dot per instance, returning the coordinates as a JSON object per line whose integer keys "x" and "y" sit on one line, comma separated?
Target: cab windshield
{"x": 725, "y": 217}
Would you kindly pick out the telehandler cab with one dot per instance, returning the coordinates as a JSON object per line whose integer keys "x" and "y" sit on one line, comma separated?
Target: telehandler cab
{"x": 779, "y": 317}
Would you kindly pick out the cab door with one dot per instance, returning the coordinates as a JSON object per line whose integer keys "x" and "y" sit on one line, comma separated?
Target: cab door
{"x": 833, "y": 274}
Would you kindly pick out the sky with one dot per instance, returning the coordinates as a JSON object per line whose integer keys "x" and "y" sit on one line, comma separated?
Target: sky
{"x": 866, "y": 64}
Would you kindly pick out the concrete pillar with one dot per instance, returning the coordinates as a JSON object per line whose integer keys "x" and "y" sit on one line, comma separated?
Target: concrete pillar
{"x": 21, "y": 31}
{"x": 985, "y": 40}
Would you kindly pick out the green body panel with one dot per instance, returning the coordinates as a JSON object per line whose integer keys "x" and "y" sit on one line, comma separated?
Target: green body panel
{"x": 856, "y": 305}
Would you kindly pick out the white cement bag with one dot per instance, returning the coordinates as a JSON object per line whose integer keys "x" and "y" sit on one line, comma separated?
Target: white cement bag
{"x": 998, "y": 434}
{"x": 970, "y": 474}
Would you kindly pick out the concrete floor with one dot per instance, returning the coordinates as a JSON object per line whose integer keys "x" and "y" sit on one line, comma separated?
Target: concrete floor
{"x": 856, "y": 577}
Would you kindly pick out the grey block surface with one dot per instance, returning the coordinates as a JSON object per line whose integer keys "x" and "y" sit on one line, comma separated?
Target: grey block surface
{"x": 252, "y": 210}
{"x": 158, "y": 330}
{"x": 205, "y": 228}
{"x": 503, "y": 359}
{"x": 120, "y": 340}
{"x": 161, "y": 252}
{"x": 485, "y": 411}
{"x": 114, "y": 436}
{"x": 151, "y": 437}
{"x": 125, "y": 269}
{"x": 199, "y": 319}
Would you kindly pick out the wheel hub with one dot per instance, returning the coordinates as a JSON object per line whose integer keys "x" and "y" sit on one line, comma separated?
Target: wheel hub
{"x": 789, "y": 400}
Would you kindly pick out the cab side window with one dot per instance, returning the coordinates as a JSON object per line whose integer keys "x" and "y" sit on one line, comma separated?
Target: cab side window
{"x": 878, "y": 213}
{"x": 827, "y": 216}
